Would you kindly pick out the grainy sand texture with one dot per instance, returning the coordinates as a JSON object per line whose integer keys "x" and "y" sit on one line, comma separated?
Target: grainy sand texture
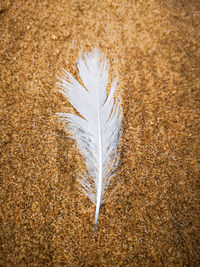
{"x": 152, "y": 219}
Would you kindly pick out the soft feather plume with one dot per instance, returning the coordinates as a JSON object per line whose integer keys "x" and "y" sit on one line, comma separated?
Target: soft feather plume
{"x": 97, "y": 130}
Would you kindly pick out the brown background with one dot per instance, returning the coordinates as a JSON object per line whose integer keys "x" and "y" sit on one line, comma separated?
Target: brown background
{"x": 152, "y": 218}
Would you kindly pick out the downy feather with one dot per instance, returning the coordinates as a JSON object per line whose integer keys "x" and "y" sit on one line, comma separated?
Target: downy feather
{"x": 97, "y": 130}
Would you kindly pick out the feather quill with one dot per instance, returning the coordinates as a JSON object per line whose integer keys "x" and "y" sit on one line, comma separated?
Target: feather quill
{"x": 97, "y": 129}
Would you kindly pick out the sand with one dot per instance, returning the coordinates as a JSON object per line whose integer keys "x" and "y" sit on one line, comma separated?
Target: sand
{"x": 152, "y": 219}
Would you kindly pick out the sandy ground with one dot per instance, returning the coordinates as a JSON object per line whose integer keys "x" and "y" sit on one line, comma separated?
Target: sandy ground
{"x": 152, "y": 218}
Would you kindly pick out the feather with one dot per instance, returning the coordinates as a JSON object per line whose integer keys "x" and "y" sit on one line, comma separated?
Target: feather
{"x": 97, "y": 130}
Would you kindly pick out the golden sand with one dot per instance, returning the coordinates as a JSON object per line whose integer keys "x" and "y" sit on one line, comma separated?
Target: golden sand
{"x": 152, "y": 218}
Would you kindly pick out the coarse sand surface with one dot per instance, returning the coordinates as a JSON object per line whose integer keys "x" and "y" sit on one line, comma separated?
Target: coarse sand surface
{"x": 151, "y": 216}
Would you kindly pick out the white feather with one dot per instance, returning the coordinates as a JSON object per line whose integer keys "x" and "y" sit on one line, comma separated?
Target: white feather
{"x": 97, "y": 130}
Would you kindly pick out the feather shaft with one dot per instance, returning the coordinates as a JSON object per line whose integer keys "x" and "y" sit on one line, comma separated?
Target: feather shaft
{"x": 99, "y": 187}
